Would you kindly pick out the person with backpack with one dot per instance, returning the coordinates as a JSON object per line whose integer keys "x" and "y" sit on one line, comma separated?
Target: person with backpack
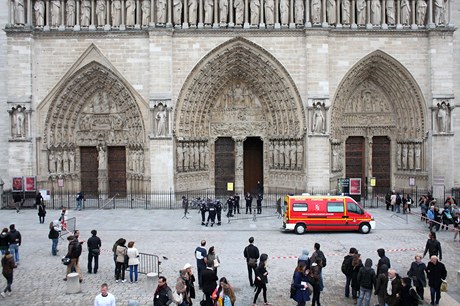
{"x": 347, "y": 269}
{"x": 356, "y": 264}
{"x": 408, "y": 294}
{"x": 73, "y": 253}
{"x": 417, "y": 274}
{"x": 366, "y": 280}
{"x": 54, "y": 236}
{"x": 318, "y": 254}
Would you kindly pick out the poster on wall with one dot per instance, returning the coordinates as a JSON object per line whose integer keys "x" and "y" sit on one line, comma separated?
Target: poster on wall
{"x": 46, "y": 194}
{"x": 18, "y": 183}
{"x": 31, "y": 183}
{"x": 355, "y": 186}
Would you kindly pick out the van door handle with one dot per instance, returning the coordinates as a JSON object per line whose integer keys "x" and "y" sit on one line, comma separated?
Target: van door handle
{"x": 344, "y": 217}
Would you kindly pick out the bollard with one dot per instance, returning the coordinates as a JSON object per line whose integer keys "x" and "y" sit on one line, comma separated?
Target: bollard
{"x": 152, "y": 281}
{"x": 73, "y": 283}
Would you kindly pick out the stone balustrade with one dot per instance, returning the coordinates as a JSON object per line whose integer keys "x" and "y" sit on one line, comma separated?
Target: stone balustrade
{"x": 105, "y": 15}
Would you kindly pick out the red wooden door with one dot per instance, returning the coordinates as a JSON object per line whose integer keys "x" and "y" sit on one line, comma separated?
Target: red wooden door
{"x": 117, "y": 171}
{"x": 89, "y": 166}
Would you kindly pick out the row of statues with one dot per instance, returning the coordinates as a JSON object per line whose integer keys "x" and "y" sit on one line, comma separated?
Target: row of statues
{"x": 61, "y": 161}
{"x": 286, "y": 154}
{"x": 136, "y": 161}
{"x": 192, "y": 156}
{"x": 408, "y": 156}
{"x": 222, "y": 13}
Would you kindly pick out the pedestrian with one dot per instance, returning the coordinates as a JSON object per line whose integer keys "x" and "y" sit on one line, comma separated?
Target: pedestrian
{"x": 80, "y": 199}
{"x": 251, "y": 253}
{"x": 63, "y": 218}
{"x": 366, "y": 280}
{"x": 393, "y": 200}
{"x": 201, "y": 259}
{"x": 407, "y": 202}
{"x": 456, "y": 227}
{"x": 120, "y": 267}
{"x": 248, "y": 199}
{"x": 114, "y": 250}
{"x": 219, "y": 212}
{"x": 261, "y": 280}
{"x": 211, "y": 207}
{"x": 73, "y": 253}
{"x": 381, "y": 285}
{"x": 446, "y": 217}
{"x": 304, "y": 258}
{"x": 17, "y": 199}
{"x": 318, "y": 254}
{"x": 4, "y": 241}
{"x": 14, "y": 239}
{"x": 133, "y": 262}
{"x": 190, "y": 281}
{"x": 408, "y": 295}
{"x": 423, "y": 208}
{"x": 392, "y": 294}
{"x": 236, "y": 206}
{"x": 388, "y": 200}
{"x": 209, "y": 283}
{"x": 7, "y": 271}
{"x": 54, "y": 236}
{"x": 398, "y": 203}
{"x": 300, "y": 283}
{"x": 94, "y": 250}
{"x": 230, "y": 203}
{"x": 314, "y": 279}
{"x": 347, "y": 269}
{"x": 436, "y": 273}
{"x": 417, "y": 274}
{"x": 41, "y": 211}
{"x": 259, "y": 203}
{"x": 433, "y": 246}
{"x": 213, "y": 258}
{"x": 105, "y": 298}
{"x": 203, "y": 210}
{"x": 182, "y": 288}
{"x": 224, "y": 294}
{"x": 356, "y": 264}
{"x": 383, "y": 260}
{"x": 163, "y": 294}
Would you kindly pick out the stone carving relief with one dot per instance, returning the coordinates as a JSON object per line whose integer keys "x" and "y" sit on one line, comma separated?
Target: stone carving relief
{"x": 337, "y": 157}
{"x": 62, "y": 160}
{"x": 161, "y": 119}
{"x": 286, "y": 154}
{"x": 19, "y": 119}
{"x": 192, "y": 155}
{"x": 421, "y": 12}
{"x": 136, "y": 160}
{"x": 408, "y": 156}
{"x": 318, "y": 119}
{"x": 443, "y": 117}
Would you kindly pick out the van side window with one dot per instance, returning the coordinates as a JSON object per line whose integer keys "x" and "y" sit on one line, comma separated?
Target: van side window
{"x": 300, "y": 207}
{"x": 333, "y": 207}
{"x": 353, "y": 208}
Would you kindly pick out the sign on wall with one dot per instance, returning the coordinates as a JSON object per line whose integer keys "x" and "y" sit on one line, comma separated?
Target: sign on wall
{"x": 31, "y": 183}
{"x": 18, "y": 183}
{"x": 355, "y": 186}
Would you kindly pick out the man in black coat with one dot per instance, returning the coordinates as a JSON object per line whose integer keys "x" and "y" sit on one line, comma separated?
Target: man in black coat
{"x": 209, "y": 282}
{"x": 382, "y": 261}
{"x": 251, "y": 253}
{"x": 94, "y": 249}
{"x": 436, "y": 272}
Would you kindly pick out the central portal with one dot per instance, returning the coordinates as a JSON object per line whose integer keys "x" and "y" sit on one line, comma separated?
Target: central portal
{"x": 253, "y": 164}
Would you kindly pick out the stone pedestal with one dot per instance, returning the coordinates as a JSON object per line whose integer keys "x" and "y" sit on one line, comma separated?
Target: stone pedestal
{"x": 152, "y": 281}
{"x": 73, "y": 283}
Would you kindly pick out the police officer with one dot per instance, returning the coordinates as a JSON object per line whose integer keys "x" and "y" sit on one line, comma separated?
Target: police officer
{"x": 203, "y": 209}
{"x": 236, "y": 205}
{"x": 211, "y": 213}
{"x": 230, "y": 207}
{"x": 218, "y": 211}
{"x": 259, "y": 203}
{"x": 248, "y": 199}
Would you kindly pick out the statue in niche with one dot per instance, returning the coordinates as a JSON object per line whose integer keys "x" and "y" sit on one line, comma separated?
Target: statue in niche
{"x": 255, "y": 11}
{"x": 51, "y": 162}
{"x": 101, "y": 156}
{"x": 100, "y": 102}
{"x": 70, "y": 13}
{"x": 85, "y": 13}
{"x": 284, "y": 11}
{"x": 65, "y": 161}
{"x": 196, "y": 156}
{"x": 405, "y": 12}
{"x": 100, "y": 12}
{"x": 145, "y": 12}
{"x": 410, "y": 155}
{"x": 55, "y": 13}
{"x": 276, "y": 156}
{"x": 130, "y": 13}
{"x": 299, "y": 153}
{"x": 59, "y": 162}
{"x": 71, "y": 160}
{"x": 177, "y": 14}
{"x": 116, "y": 13}
{"x": 398, "y": 156}
{"x": 376, "y": 12}
{"x": 417, "y": 153}
{"x": 299, "y": 12}
{"x": 335, "y": 157}
{"x": 331, "y": 10}
{"x": 186, "y": 157}
{"x": 361, "y": 11}
{"x": 316, "y": 11}
{"x": 404, "y": 156}
{"x": 161, "y": 120}
{"x": 271, "y": 149}
{"x": 443, "y": 117}
{"x": 439, "y": 12}
{"x": 39, "y": 8}
{"x": 421, "y": 12}
{"x": 239, "y": 11}
{"x": 390, "y": 8}
{"x": 223, "y": 11}
{"x": 19, "y": 12}
{"x": 161, "y": 11}
{"x": 180, "y": 158}
{"x": 346, "y": 11}
{"x": 292, "y": 155}
{"x": 19, "y": 122}
{"x": 319, "y": 122}
{"x": 202, "y": 160}
{"x": 192, "y": 10}
{"x": 206, "y": 155}
{"x": 208, "y": 11}
{"x": 269, "y": 12}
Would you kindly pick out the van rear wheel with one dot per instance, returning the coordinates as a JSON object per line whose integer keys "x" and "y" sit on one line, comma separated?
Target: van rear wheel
{"x": 300, "y": 229}
{"x": 365, "y": 228}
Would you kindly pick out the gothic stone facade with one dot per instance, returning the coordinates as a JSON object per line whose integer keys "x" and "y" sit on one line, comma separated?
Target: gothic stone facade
{"x": 92, "y": 92}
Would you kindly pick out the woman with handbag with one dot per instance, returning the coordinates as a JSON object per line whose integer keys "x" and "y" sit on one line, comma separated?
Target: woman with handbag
{"x": 120, "y": 267}
{"x": 183, "y": 289}
{"x": 261, "y": 280}
{"x": 133, "y": 262}
{"x": 224, "y": 295}
{"x": 417, "y": 274}
{"x": 212, "y": 257}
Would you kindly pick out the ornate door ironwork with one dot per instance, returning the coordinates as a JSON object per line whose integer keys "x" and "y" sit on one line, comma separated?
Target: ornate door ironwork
{"x": 224, "y": 165}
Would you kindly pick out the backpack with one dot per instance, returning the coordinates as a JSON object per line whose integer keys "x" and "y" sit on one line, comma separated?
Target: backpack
{"x": 321, "y": 256}
{"x": 346, "y": 264}
{"x": 398, "y": 199}
{"x": 77, "y": 249}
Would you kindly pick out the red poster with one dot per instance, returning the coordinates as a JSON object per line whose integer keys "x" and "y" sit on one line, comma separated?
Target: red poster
{"x": 355, "y": 186}
{"x": 30, "y": 183}
{"x": 18, "y": 183}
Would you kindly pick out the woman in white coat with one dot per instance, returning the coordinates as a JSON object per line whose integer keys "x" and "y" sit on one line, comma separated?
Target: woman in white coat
{"x": 133, "y": 261}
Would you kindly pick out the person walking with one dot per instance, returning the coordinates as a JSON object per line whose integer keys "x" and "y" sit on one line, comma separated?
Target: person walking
{"x": 209, "y": 283}
{"x": 433, "y": 246}
{"x": 261, "y": 280}
{"x": 259, "y": 203}
{"x": 4, "y": 241}
{"x": 41, "y": 212}
{"x": 80, "y": 199}
{"x": 120, "y": 267}
{"x": 73, "y": 253}
{"x": 417, "y": 274}
{"x": 314, "y": 279}
{"x": 383, "y": 260}
{"x": 300, "y": 283}
{"x": 366, "y": 280}
{"x": 163, "y": 294}
{"x": 133, "y": 262}
{"x": 190, "y": 281}
{"x": 381, "y": 285}
{"x": 201, "y": 259}
{"x": 224, "y": 294}
{"x": 213, "y": 258}
{"x": 14, "y": 238}
{"x": 94, "y": 250}
{"x": 356, "y": 264}
{"x": 54, "y": 236}
{"x": 318, "y": 254}
{"x": 408, "y": 295}
{"x": 248, "y": 199}
{"x": 436, "y": 273}
{"x": 7, "y": 271}
{"x": 347, "y": 269}
{"x": 182, "y": 288}
{"x": 251, "y": 253}
{"x": 105, "y": 298}
{"x": 305, "y": 258}
{"x": 392, "y": 294}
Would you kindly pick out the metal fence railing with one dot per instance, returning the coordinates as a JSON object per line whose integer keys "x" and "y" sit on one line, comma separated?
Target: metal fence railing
{"x": 148, "y": 263}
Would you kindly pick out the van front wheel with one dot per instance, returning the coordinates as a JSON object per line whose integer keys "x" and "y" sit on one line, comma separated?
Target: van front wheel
{"x": 300, "y": 229}
{"x": 365, "y": 228}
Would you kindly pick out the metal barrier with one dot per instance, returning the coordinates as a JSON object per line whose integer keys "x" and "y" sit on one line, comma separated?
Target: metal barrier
{"x": 149, "y": 263}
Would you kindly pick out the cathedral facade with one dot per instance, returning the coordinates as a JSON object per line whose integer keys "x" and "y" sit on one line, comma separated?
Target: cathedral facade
{"x": 124, "y": 96}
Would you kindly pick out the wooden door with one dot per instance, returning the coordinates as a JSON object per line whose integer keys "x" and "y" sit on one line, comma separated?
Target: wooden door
{"x": 253, "y": 164}
{"x": 381, "y": 163}
{"x": 89, "y": 166}
{"x": 224, "y": 169}
{"x": 354, "y": 159}
{"x": 117, "y": 171}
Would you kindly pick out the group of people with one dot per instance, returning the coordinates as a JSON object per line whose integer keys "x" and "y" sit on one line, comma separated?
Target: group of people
{"x": 10, "y": 240}
{"x": 126, "y": 256}
{"x": 395, "y": 201}
{"x": 440, "y": 218}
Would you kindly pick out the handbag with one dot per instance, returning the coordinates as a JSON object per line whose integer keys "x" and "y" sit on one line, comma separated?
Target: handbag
{"x": 444, "y": 286}
{"x": 65, "y": 261}
{"x": 177, "y": 297}
{"x": 252, "y": 262}
{"x": 216, "y": 263}
{"x": 126, "y": 260}
{"x": 96, "y": 251}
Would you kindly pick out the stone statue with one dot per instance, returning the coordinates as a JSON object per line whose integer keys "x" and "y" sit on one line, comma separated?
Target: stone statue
{"x": 161, "y": 11}
{"x": 315, "y": 11}
{"x": 55, "y": 13}
{"x": 255, "y": 11}
{"x": 130, "y": 12}
{"x": 410, "y": 155}
{"x": 405, "y": 12}
{"x": 39, "y": 9}
{"x": 361, "y": 11}
{"x": 331, "y": 12}
{"x": 223, "y": 11}
{"x": 208, "y": 11}
{"x": 318, "y": 119}
{"x": 19, "y": 12}
{"x": 116, "y": 13}
{"x": 161, "y": 120}
{"x": 100, "y": 12}
{"x": 276, "y": 155}
{"x": 239, "y": 11}
{"x": 439, "y": 11}
{"x": 177, "y": 14}
{"x": 102, "y": 157}
{"x": 65, "y": 161}
{"x": 421, "y": 12}
{"x": 51, "y": 162}
{"x": 417, "y": 153}
{"x": 145, "y": 12}
{"x": 206, "y": 155}
{"x": 85, "y": 13}
{"x": 187, "y": 157}
{"x": 299, "y": 157}
{"x": 59, "y": 162}
{"x": 335, "y": 157}
{"x": 180, "y": 158}
{"x": 284, "y": 11}
{"x": 292, "y": 155}
{"x": 192, "y": 10}
{"x": 390, "y": 6}
{"x": 202, "y": 160}
{"x": 442, "y": 117}
{"x": 398, "y": 156}
{"x": 269, "y": 12}
{"x": 404, "y": 156}
{"x": 71, "y": 160}
{"x": 271, "y": 149}
{"x": 196, "y": 156}
{"x": 376, "y": 12}
{"x": 299, "y": 12}
{"x": 19, "y": 122}
{"x": 346, "y": 11}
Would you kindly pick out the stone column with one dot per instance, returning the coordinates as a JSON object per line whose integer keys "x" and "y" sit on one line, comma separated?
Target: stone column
{"x": 152, "y": 14}
{"x": 123, "y": 13}
{"x": 185, "y": 23}
{"x": 398, "y": 15}
{"x": 10, "y": 15}
{"x": 77, "y": 14}
{"x": 62, "y": 25}
{"x": 200, "y": 14}
{"x": 262, "y": 16}
{"x": 307, "y": 14}
{"x": 231, "y": 10}
{"x": 137, "y": 24}
{"x": 108, "y": 18}
{"x": 215, "y": 24}
{"x": 29, "y": 14}
{"x": 246, "y": 24}
{"x": 449, "y": 14}
{"x": 277, "y": 14}
{"x": 92, "y": 25}
{"x": 369, "y": 166}
{"x": 413, "y": 14}
{"x": 368, "y": 14}
{"x": 324, "y": 23}
{"x": 169, "y": 23}
{"x": 430, "y": 24}
{"x": 47, "y": 16}
{"x": 291, "y": 14}
{"x": 353, "y": 15}
{"x": 384, "y": 15}
{"x": 239, "y": 163}
{"x": 338, "y": 24}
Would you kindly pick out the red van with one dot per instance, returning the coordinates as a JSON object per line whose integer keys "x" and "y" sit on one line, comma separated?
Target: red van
{"x": 325, "y": 213}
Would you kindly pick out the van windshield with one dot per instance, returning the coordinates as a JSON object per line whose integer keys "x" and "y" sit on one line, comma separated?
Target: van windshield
{"x": 353, "y": 208}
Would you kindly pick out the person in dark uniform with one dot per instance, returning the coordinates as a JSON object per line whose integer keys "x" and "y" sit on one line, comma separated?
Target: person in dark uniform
{"x": 230, "y": 207}
{"x": 236, "y": 205}
{"x": 219, "y": 212}
{"x": 248, "y": 199}
{"x": 203, "y": 209}
{"x": 259, "y": 203}
{"x": 211, "y": 212}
